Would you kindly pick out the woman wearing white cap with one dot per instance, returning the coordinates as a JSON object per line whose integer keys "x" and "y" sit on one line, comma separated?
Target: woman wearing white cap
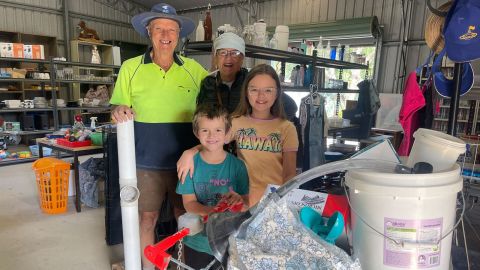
{"x": 223, "y": 86}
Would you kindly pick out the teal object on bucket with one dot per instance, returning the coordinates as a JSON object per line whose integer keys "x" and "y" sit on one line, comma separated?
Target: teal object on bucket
{"x": 314, "y": 221}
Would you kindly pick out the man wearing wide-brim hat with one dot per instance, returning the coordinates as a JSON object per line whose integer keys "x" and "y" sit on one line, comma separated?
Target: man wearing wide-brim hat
{"x": 158, "y": 90}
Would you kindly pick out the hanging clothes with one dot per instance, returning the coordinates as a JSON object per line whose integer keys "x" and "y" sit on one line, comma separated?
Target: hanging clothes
{"x": 312, "y": 121}
{"x": 426, "y": 113}
{"x": 412, "y": 102}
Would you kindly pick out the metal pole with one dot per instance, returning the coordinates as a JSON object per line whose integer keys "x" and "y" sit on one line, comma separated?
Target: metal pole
{"x": 452, "y": 113}
{"x": 66, "y": 30}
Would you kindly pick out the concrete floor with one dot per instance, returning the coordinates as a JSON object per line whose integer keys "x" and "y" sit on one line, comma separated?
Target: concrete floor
{"x": 30, "y": 239}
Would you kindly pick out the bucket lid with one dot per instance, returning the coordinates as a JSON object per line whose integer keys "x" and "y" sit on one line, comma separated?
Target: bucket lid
{"x": 439, "y": 137}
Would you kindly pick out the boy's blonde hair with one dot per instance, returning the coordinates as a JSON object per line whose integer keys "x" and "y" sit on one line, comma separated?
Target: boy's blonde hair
{"x": 211, "y": 111}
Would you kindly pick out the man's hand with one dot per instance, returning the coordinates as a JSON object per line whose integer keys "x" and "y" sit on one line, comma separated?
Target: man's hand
{"x": 122, "y": 113}
{"x": 185, "y": 164}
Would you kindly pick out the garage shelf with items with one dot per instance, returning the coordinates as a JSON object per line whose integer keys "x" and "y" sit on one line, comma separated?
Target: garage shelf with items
{"x": 25, "y": 87}
{"x": 39, "y": 96}
{"x": 90, "y": 78}
{"x": 92, "y": 86}
{"x": 468, "y": 120}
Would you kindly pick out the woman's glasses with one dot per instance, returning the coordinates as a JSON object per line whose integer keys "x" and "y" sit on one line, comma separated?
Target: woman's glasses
{"x": 225, "y": 53}
{"x": 254, "y": 91}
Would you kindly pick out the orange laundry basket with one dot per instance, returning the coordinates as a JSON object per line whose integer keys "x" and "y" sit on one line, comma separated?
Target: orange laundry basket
{"x": 52, "y": 182}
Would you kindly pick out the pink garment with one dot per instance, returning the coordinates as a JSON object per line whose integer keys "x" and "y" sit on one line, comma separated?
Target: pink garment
{"x": 413, "y": 101}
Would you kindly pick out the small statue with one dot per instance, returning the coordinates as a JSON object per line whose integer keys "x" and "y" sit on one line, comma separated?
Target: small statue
{"x": 88, "y": 34}
{"x": 78, "y": 125}
{"x": 95, "y": 56}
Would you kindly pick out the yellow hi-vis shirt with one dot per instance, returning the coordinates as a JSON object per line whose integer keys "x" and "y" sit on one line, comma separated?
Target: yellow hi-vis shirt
{"x": 164, "y": 104}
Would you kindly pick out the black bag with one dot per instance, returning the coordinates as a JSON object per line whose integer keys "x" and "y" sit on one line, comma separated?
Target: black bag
{"x": 113, "y": 211}
{"x": 166, "y": 223}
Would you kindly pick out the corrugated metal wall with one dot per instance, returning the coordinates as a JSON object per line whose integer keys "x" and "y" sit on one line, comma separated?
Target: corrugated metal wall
{"x": 44, "y": 17}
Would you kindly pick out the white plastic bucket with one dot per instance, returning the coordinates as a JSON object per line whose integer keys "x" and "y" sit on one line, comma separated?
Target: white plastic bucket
{"x": 437, "y": 148}
{"x": 260, "y": 27}
{"x": 406, "y": 208}
{"x": 282, "y": 34}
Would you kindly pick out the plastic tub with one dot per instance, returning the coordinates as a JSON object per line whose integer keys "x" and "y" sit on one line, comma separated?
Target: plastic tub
{"x": 403, "y": 221}
{"x": 68, "y": 143}
{"x": 46, "y": 151}
{"x": 97, "y": 138}
{"x": 437, "y": 148}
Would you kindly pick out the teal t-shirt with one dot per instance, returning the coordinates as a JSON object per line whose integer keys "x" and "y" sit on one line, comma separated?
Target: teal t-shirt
{"x": 209, "y": 183}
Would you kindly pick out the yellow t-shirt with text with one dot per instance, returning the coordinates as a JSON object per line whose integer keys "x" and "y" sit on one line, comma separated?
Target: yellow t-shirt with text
{"x": 260, "y": 144}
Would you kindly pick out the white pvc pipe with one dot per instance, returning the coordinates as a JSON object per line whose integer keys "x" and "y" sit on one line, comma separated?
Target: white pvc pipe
{"x": 129, "y": 195}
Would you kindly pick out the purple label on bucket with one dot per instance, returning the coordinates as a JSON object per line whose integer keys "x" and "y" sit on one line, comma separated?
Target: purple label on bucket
{"x": 412, "y": 254}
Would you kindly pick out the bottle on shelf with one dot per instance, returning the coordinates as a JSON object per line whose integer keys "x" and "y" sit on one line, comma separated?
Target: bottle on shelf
{"x": 303, "y": 47}
{"x": 338, "y": 52}
{"x": 320, "y": 47}
{"x": 207, "y": 25}
{"x": 327, "y": 51}
{"x": 346, "y": 54}
{"x": 273, "y": 44}
{"x": 333, "y": 53}
{"x": 310, "y": 47}
{"x": 342, "y": 52}
{"x": 200, "y": 32}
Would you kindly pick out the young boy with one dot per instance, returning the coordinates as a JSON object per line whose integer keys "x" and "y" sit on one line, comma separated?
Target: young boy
{"x": 218, "y": 176}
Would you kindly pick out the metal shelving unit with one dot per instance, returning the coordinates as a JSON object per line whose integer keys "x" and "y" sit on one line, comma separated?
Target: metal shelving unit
{"x": 52, "y": 66}
{"x": 252, "y": 51}
{"x": 323, "y": 90}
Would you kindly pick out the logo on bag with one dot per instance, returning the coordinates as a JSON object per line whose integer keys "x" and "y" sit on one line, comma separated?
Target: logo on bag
{"x": 313, "y": 200}
{"x": 470, "y": 34}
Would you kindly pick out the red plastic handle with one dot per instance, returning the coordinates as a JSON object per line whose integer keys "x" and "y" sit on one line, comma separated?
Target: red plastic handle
{"x": 157, "y": 254}
{"x": 223, "y": 206}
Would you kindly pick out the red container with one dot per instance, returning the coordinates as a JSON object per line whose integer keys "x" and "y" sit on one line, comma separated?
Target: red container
{"x": 68, "y": 143}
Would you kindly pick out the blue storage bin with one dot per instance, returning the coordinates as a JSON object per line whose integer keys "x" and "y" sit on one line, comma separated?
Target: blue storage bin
{"x": 46, "y": 151}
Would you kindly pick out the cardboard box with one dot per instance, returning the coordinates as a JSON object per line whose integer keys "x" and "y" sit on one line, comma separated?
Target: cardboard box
{"x": 117, "y": 60}
{"x": 6, "y": 49}
{"x": 11, "y": 126}
{"x": 13, "y": 50}
{"x": 38, "y": 52}
{"x": 17, "y": 50}
{"x": 27, "y": 51}
{"x": 19, "y": 73}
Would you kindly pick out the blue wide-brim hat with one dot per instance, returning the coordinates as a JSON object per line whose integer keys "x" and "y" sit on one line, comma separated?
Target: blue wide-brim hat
{"x": 165, "y": 11}
{"x": 445, "y": 86}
